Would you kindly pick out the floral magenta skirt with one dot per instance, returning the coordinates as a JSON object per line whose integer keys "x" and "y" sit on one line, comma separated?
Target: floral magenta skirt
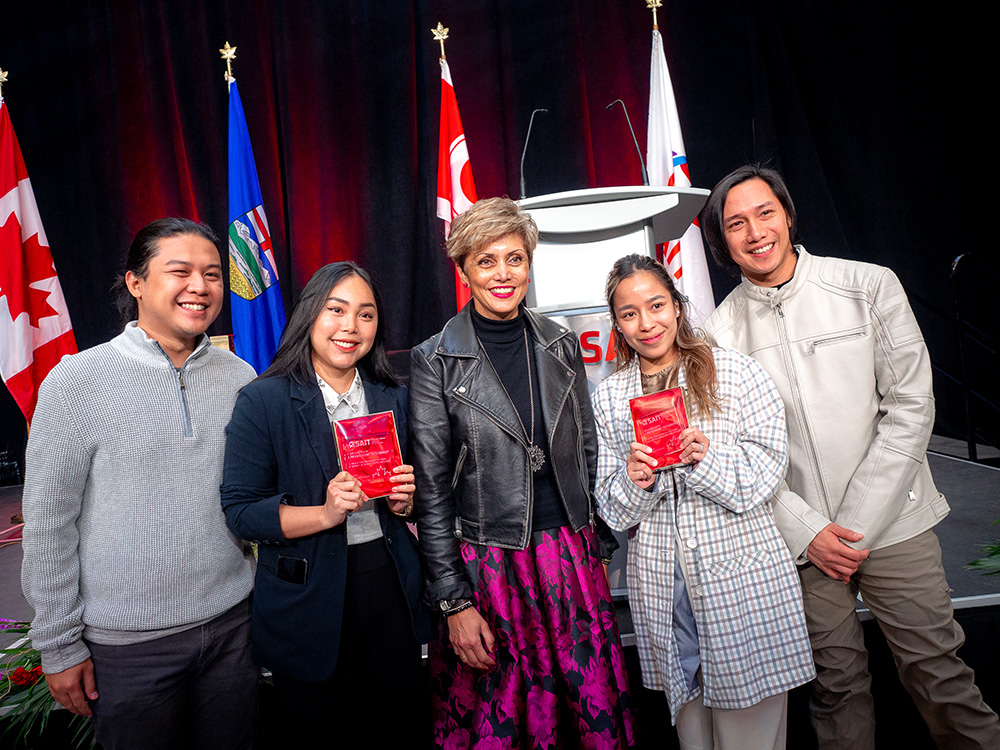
{"x": 559, "y": 679}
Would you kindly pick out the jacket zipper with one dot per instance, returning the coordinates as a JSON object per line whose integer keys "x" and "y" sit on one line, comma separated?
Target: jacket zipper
{"x": 579, "y": 450}
{"x": 462, "y": 453}
{"x": 520, "y": 439}
{"x": 799, "y": 405}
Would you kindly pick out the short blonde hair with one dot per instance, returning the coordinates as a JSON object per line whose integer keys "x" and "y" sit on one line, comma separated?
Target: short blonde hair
{"x": 489, "y": 220}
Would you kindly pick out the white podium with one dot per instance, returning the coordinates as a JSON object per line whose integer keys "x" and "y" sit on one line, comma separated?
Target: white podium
{"x": 583, "y": 232}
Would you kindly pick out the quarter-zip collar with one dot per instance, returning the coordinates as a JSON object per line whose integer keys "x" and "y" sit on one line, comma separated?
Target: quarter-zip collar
{"x": 137, "y": 344}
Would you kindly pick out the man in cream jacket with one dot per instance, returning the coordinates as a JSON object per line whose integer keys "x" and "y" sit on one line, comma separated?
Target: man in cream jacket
{"x": 859, "y": 503}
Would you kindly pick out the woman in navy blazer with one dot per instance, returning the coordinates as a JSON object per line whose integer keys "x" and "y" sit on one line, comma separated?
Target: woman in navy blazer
{"x": 337, "y": 612}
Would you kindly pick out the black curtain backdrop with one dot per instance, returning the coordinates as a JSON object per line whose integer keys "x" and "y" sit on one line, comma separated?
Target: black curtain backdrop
{"x": 121, "y": 111}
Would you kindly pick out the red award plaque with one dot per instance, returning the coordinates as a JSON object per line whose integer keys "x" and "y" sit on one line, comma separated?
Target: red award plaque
{"x": 659, "y": 419}
{"x": 369, "y": 450}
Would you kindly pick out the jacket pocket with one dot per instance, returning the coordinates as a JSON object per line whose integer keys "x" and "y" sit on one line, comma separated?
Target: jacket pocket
{"x": 839, "y": 338}
{"x": 733, "y": 565}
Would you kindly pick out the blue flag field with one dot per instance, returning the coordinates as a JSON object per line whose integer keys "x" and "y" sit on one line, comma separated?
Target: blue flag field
{"x": 257, "y": 308}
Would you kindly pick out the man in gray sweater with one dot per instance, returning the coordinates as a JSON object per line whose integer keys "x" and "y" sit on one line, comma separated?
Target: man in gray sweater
{"x": 139, "y": 589}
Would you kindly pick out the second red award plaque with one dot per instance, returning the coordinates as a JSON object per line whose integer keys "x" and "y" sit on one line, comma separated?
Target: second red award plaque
{"x": 658, "y": 419}
{"x": 369, "y": 450}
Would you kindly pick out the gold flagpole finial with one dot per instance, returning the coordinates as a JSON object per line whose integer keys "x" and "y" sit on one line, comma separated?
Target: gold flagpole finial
{"x": 653, "y": 5}
{"x": 440, "y": 34}
{"x": 3, "y": 80}
{"x": 228, "y": 54}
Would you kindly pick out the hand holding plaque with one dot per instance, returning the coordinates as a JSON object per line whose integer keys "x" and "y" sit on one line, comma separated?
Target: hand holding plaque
{"x": 400, "y": 501}
{"x": 640, "y": 467}
{"x": 343, "y": 497}
{"x": 658, "y": 420}
{"x": 368, "y": 449}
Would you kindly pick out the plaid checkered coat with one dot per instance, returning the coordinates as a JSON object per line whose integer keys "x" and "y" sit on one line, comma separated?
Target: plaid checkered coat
{"x": 743, "y": 586}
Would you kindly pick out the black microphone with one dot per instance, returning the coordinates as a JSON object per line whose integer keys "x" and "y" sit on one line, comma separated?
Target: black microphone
{"x": 530, "y": 122}
{"x": 645, "y": 175}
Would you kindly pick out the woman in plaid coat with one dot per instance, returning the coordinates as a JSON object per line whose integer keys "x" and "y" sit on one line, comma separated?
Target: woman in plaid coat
{"x": 713, "y": 590}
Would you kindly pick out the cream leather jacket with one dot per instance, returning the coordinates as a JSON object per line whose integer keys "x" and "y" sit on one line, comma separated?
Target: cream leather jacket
{"x": 842, "y": 345}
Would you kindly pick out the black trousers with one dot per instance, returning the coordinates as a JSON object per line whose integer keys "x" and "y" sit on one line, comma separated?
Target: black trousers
{"x": 378, "y": 690}
{"x": 196, "y": 689}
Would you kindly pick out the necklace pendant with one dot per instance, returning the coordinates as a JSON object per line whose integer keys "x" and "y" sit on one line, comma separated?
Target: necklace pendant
{"x": 536, "y": 458}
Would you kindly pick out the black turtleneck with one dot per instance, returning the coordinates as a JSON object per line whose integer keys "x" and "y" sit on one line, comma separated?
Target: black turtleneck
{"x": 504, "y": 341}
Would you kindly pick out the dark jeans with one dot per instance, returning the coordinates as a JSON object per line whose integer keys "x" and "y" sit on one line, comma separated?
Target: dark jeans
{"x": 378, "y": 690}
{"x": 196, "y": 689}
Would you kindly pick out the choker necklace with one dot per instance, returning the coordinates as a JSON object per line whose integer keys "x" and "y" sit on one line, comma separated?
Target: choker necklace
{"x": 536, "y": 456}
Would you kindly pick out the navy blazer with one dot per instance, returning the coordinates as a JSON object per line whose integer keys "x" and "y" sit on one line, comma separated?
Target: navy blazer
{"x": 280, "y": 449}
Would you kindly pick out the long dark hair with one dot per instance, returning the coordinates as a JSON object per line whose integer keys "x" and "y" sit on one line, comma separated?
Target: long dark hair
{"x": 711, "y": 215}
{"x": 694, "y": 353}
{"x": 143, "y": 249}
{"x": 294, "y": 356}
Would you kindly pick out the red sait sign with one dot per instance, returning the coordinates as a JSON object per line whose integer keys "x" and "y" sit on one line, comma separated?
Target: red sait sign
{"x": 596, "y": 342}
{"x": 597, "y": 346}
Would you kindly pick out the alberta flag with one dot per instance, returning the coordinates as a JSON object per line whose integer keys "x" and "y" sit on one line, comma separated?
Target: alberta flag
{"x": 257, "y": 308}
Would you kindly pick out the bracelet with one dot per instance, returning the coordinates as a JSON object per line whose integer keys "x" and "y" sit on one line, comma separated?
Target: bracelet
{"x": 460, "y": 608}
{"x": 606, "y": 560}
{"x": 406, "y": 513}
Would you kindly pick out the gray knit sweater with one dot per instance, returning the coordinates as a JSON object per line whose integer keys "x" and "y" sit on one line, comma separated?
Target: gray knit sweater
{"x": 124, "y": 530}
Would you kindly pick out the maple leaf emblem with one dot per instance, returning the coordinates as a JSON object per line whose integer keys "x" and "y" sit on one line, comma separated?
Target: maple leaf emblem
{"x": 23, "y": 277}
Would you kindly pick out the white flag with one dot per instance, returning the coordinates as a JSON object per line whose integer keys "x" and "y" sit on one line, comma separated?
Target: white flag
{"x": 666, "y": 161}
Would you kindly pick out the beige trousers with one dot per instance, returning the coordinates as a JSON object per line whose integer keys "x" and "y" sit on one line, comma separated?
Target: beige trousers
{"x": 758, "y": 727}
{"x": 905, "y": 589}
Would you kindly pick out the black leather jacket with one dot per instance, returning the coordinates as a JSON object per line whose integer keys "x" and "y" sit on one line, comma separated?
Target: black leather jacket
{"x": 470, "y": 454}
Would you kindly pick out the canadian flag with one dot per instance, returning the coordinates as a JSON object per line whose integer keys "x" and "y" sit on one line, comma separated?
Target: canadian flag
{"x": 35, "y": 329}
{"x": 456, "y": 191}
{"x": 667, "y": 163}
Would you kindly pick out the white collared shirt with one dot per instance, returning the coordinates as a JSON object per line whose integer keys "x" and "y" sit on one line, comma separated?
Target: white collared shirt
{"x": 353, "y": 402}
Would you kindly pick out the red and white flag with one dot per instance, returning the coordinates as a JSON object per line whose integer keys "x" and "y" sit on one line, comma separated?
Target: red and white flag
{"x": 666, "y": 162}
{"x": 456, "y": 191}
{"x": 35, "y": 330}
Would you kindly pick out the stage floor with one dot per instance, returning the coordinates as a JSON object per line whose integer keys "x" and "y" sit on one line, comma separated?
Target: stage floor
{"x": 973, "y": 492}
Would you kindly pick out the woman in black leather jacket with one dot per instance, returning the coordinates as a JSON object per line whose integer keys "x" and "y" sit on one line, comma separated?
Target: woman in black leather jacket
{"x": 504, "y": 450}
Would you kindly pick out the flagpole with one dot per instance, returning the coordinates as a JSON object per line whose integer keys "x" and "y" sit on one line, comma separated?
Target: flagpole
{"x": 653, "y": 5}
{"x": 228, "y": 54}
{"x": 440, "y": 34}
